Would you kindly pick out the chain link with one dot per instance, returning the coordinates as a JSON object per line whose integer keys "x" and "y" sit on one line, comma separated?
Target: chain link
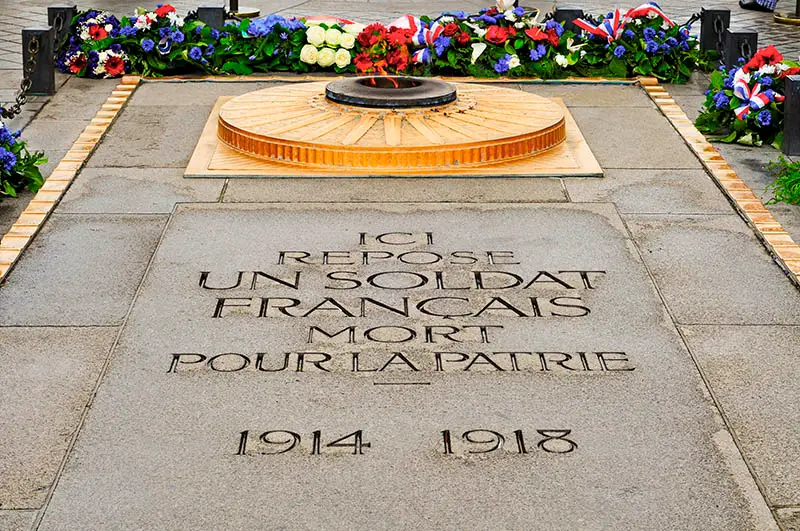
{"x": 25, "y": 85}
{"x": 745, "y": 50}
{"x": 719, "y": 30}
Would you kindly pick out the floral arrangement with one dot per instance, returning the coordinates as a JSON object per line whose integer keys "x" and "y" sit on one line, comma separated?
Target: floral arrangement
{"x": 18, "y": 167}
{"x": 745, "y": 104}
{"x": 498, "y": 41}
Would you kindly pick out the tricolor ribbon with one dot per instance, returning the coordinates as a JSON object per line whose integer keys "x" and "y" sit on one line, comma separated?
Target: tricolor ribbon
{"x": 611, "y": 28}
{"x": 421, "y": 35}
{"x": 752, "y": 98}
{"x": 422, "y": 56}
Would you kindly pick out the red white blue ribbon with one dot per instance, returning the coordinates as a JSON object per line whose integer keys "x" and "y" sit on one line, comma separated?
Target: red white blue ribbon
{"x": 421, "y": 35}
{"x": 611, "y": 28}
{"x": 752, "y": 98}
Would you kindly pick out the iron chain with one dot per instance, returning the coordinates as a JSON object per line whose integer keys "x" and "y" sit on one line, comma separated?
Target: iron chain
{"x": 719, "y": 30}
{"x": 25, "y": 85}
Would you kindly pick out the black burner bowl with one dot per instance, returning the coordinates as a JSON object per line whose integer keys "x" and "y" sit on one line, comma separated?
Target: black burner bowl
{"x": 390, "y": 92}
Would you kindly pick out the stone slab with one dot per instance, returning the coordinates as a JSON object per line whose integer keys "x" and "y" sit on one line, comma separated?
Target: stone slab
{"x": 753, "y": 373}
{"x": 49, "y": 376}
{"x": 72, "y": 104}
{"x": 750, "y": 163}
{"x": 713, "y": 270}
{"x": 160, "y": 446}
{"x": 496, "y": 190}
{"x": 162, "y": 137}
{"x": 80, "y": 270}
{"x": 653, "y": 143}
{"x": 53, "y": 135}
{"x": 17, "y": 520}
{"x": 584, "y": 95}
{"x": 136, "y": 191}
{"x": 652, "y": 191}
{"x": 789, "y": 518}
{"x": 690, "y": 105}
{"x": 191, "y": 93}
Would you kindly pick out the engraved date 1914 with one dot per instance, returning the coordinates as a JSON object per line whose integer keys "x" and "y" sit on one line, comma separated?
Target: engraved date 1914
{"x": 470, "y": 442}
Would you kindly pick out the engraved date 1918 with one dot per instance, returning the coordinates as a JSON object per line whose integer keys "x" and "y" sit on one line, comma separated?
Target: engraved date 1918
{"x": 470, "y": 442}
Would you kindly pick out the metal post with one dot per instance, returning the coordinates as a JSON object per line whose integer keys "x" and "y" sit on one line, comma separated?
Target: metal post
{"x": 713, "y": 23}
{"x": 60, "y": 17}
{"x": 739, "y": 43}
{"x": 213, "y": 16}
{"x": 789, "y": 17}
{"x": 37, "y": 59}
{"x": 791, "y": 116}
{"x": 568, "y": 15}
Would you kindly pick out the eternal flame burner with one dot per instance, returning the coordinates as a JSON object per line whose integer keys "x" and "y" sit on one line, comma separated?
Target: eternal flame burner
{"x": 390, "y": 125}
{"x": 391, "y": 92}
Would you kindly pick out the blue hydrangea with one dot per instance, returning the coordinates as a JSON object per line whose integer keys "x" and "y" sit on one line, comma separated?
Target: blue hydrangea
{"x": 210, "y": 50}
{"x": 7, "y": 159}
{"x": 164, "y": 33}
{"x": 553, "y": 25}
{"x": 766, "y": 81}
{"x": 649, "y": 33}
{"x": 293, "y": 24}
{"x": 661, "y": 35}
{"x": 651, "y": 47}
{"x": 672, "y": 42}
{"x": 619, "y": 51}
{"x": 501, "y": 66}
{"x": 628, "y": 34}
{"x": 128, "y": 31}
{"x": 214, "y": 34}
{"x": 6, "y": 136}
{"x": 538, "y": 52}
{"x": 198, "y": 29}
{"x": 764, "y": 118}
{"x": 178, "y": 36}
{"x": 148, "y": 45}
{"x": 721, "y": 100}
{"x": 441, "y": 44}
{"x": 728, "y": 82}
{"x": 261, "y": 27}
{"x": 195, "y": 54}
{"x": 664, "y": 48}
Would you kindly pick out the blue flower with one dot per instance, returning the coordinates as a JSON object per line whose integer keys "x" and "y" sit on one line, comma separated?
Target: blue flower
{"x": 728, "y": 83}
{"x": 147, "y": 45}
{"x": 6, "y": 136}
{"x": 460, "y": 15}
{"x": 672, "y": 42}
{"x": 195, "y": 54}
{"x": 128, "y": 31}
{"x": 661, "y": 35}
{"x": 651, "y": 47}
{"x": 198, "y": 29}
{"x": 629, "y": 34}
{"x": 487, "y": 19}
{"x": 214, "y": 34}
{"x": 284, "y": 36}
{"x": 261, "y": 27}
{"x": 501, "y": 66}
{"x": 619, "y": 51}
{"x": 553, "y": 25}
{"x": 664, "y": 48}
{"x": 210, "y": 50}
{"x": 178, "y": 36}
{"x": 770, "y": 94}
{"x": 764, "y": 118}
{"x": 721, "y": 100}
{"x": 741, "y": 60}
{"x": 164, "y": 32}
{"x": 441, "y": 44}
{"x": 538, "y": 52}
{"x": 707, "y": 92}
{"x": 116, "y": 48}
{"x": 649, "y": 33}
{"x": 519, "y": 11}
{"x": 766, "y": 81}
{"x": 7, "y": 159}
{"x": 294, "y": 24}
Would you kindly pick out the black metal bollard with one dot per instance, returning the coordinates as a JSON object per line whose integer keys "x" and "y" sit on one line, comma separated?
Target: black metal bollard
{"x": 37, "y": 59}
{"x": 713, "y": 23}
{"x": 213, "y": 16}
{"x": 791, "y": 117}
{"x": 736, "y": 44}
{"x": 60, "y": 17}
{"x": 568, "y": 15}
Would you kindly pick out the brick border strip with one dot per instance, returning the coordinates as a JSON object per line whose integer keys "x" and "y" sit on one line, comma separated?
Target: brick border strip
{"x": 31, "y": 220}
{"x": 774, "y": 237}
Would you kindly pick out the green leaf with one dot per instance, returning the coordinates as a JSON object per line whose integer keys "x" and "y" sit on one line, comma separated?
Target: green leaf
{"x": 518, "y": 43}
{"x": 618, "y": 68}
{"x": 237, "y": 68}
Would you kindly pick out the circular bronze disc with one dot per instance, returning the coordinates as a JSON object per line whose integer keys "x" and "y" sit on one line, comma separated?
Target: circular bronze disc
{"x": 295, "y": 124}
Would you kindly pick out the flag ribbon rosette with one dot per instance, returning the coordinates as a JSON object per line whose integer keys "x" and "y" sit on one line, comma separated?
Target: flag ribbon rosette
{"x": 611, "y": 28}
{"x": 752, "y": 98}
{"x": 421, "y": 34}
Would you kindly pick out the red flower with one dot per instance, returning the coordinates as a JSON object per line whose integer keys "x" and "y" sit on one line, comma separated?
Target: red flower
{"x": 397, "y": 36}
{"x": 398, "y": 59}
{"x": 770, "y": 54}
{"x": 363, "y": 62}
{"x": 97, "y": 33}
{"x": 164, "y": 9}
{"x": 492, "y": 11}
{"x": 552, "y": 36}
{"x": 793, "y": 71}
{"x": 78, "y": 63}
{"x": 536, "y": 34}
{"x": 115, "y": 66}
{"x": 462, "y": 39}
{"x": 450, "y": 29}
{"x": 496, "y": 35}
{"x": 372, "y": 35}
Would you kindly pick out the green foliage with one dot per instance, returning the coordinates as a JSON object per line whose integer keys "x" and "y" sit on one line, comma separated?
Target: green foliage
{"x": 786, "y": 186}
{"x": 18, "y": 167}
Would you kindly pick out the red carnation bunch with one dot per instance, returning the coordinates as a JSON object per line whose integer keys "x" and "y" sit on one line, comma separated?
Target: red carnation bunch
{"x": 165, "y": 9}
{"x": 383, "y": 49}
{"x": 765, "y": 56}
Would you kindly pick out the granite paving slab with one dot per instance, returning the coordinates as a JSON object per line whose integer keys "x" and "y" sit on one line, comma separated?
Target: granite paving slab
{"x": 598, "y": 420}
{"x": 17, "y": 520}
{"x": 49, "y": 376}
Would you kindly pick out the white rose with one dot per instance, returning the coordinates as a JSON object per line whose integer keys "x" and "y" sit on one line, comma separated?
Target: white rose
{"x": 309, "y": 54}
{"x": 513, "y": 62}
{"x": 477, "y": 49}
{"x": 354, "y": 29}
{"x": 347, "y": 41}
{"x": 333, "y": 37}
{"x": 326, "y": 57}
{"x": 342, "y": 58}
{"x": 315, "y": 35}
{"x": 562, "y": 61}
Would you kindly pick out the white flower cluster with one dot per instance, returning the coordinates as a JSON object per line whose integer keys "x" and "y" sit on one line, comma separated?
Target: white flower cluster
{"x": 330, "y": 46}
{"x": 99, "y": 20}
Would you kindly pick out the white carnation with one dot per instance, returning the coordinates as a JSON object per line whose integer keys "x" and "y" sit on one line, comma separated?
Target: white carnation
{"x": 347, "y": 41}
{"x": 309, "y": 54}
{"x": 326, "y": 57}
{"x": 562, "y": 61}
{"x": 342, "y": 58}
{"x": 315, "y": 35}
{"x": 175, "y": 19}
{"x": 514, "y": 61}
{"x": 333, "y": 37}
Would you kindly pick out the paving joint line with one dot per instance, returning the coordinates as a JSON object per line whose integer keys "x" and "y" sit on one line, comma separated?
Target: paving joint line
{"x": 42, "y": 205}
{"x": 767, "y": 229}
